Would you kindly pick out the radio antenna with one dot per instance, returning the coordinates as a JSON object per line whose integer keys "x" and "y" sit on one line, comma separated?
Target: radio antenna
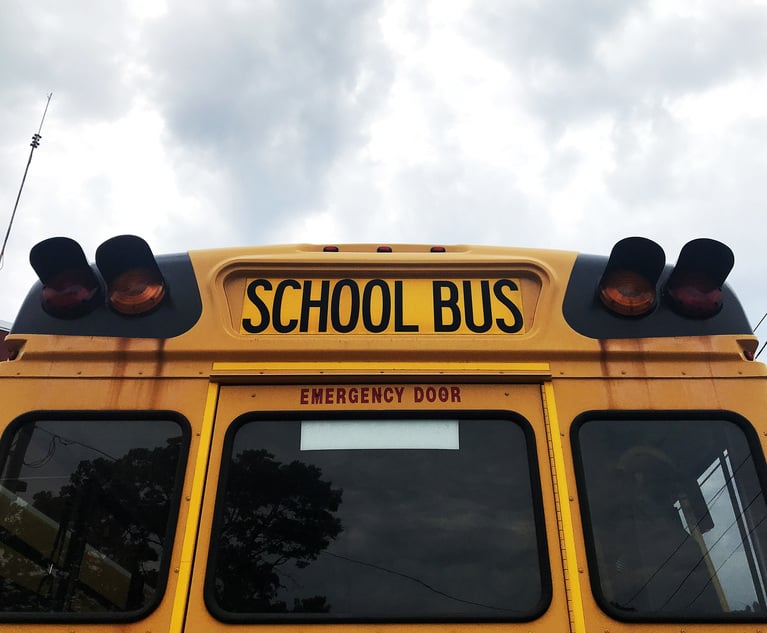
{"x": 34, "y": 145}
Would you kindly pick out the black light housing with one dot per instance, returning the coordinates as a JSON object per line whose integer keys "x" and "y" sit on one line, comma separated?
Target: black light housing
{"x": 628, "y": 284}
{"x": 70, "y": 287}
{"x": 694, "y": 288}
{"x": 135, "y": 284}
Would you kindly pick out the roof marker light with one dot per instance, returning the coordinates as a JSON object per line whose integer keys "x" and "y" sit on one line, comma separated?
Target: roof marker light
{"x": 694, "y": 288}
{"x": 70, "y": 287}
{"x": 384, "y": 249}
{"x": 628, "y": 284}
{"x": 330, "y": 249}
{"x": 135, "y": 284}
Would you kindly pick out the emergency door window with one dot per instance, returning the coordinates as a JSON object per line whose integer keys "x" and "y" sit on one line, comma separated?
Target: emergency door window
{"x": 378, "y": 519}
{"x": 676, "y": 519}
{"x": 87, "y": 509}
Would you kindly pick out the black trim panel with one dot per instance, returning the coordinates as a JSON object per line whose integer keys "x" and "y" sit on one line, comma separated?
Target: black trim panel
{"x": 585, "y": 313}
{"x": 177, "y": 313}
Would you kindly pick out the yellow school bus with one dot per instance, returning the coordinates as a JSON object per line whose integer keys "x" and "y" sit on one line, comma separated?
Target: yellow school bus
{"x": 382, "y": 438}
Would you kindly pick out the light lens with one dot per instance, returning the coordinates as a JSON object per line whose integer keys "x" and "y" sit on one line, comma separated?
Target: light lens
{"x": 695, "y": 295}
{"x": 70, "y": 294}
{"x": 136, "y": 291}
{"x": 627, "y": 293}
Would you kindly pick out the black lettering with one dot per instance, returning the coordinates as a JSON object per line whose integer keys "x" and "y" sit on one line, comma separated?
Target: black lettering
{"x": 308, "y": 303}
{"x": 516, "y": 325}
{"x": 487, "y": 308}
{"x": 399, "y": 325}
{"x": 367, "y": 317}
{"x": 247, "y": 324}
{"x": 441, "y": 304}
{"x": 354, "y": 306}
{"x": 277, "y": 307}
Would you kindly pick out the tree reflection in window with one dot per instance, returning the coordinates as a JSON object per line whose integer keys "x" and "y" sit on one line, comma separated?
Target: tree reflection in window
{"x": 274, "y": 513}
{"x": 427, "y": 533}
{"x": 84, "y": 514}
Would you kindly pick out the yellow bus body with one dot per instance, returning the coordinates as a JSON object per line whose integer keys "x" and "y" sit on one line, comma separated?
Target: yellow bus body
{"x": 235, "y": 360}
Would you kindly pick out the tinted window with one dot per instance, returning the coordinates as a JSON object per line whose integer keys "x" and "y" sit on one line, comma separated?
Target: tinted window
{"x": 378, "y": 519}
{"x": 676, "y": 519}
{"x": 86, "y": 514}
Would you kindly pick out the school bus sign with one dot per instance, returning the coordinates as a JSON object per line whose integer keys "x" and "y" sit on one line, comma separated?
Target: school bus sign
{"x": 382, "y": 306}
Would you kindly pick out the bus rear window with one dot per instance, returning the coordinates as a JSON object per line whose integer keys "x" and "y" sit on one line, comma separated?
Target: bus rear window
{"x": 676, "y": 518}
{"x": 378, "y": 520}
{"x": 87, "y": 509}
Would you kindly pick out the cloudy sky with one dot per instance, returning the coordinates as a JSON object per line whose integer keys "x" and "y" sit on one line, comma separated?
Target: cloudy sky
{"x": 547, "y": 123}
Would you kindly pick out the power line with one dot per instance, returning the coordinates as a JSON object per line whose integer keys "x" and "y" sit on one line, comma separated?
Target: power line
{"x": 34, "y": 144}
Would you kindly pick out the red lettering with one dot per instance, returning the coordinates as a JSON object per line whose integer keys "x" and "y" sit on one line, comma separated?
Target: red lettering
{"x": 377, "y": 395}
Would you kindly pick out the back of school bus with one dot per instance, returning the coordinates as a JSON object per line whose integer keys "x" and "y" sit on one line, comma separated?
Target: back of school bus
{"x": 363, "y": 438}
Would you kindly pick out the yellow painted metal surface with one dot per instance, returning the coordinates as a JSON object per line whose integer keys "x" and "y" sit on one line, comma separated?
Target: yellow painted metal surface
{"x": 250, "y": 351}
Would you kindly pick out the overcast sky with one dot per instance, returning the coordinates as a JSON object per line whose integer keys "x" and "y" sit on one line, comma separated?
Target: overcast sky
{"x": 543, "y": 123}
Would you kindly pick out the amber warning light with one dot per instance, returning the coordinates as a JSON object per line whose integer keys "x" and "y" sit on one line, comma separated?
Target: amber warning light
{"x": 134, "y": 282}
{"x": 628, "y": 284}
{"x": 72, "y": 288}
{"x": 693, "y": 289}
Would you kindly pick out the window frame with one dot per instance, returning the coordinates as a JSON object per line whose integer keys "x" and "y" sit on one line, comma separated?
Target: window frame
{"x": 109, "y": 617}
{"x": 638, "y": 416}
{"x": 537, "y": 510}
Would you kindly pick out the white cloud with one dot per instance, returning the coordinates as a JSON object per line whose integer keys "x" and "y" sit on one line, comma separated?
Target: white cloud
{"x": 549, "y": 124}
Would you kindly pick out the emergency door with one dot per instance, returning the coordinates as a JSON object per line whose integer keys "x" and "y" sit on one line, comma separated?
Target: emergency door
{"x": 364, "y": 504}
